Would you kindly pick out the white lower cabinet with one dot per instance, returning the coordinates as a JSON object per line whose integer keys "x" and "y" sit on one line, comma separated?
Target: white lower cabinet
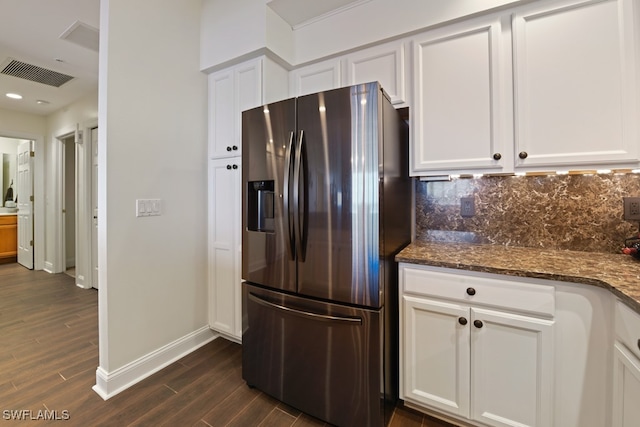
{"x": 626, "y": 388}
{"x": 478, "y": 363}
{"x": 626, "y": 369}
{"x": 225, "y": 247}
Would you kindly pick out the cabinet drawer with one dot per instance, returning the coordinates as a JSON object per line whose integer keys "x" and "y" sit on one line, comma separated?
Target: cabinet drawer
{"x": 628, "y": 327}
{"x": 472, "y": 289}
{"x": 8, "y": 219}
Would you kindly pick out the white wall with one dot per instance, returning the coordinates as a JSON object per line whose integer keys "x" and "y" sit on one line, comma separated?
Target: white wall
{"x": 231, "y": 29}
{"x": 378, "y": 20}
{"x": 152, "y": 132}
{"x": 13, "y": 123}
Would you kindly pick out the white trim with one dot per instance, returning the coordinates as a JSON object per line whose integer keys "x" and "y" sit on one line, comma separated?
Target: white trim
{"x": 57, "y": 178}
{"x": 48, "y": 267}
{"x": 84, "y": 213}
{"x": 108, "y": 384}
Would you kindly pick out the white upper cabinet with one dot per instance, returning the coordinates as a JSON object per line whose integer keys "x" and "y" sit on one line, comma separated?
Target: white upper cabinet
{"x": 575, "y": 84}
{"x": 222, "y": 131}
{"x": 384, "y": 63}
{"x": 316, "y": 77}
{"x": 459, "y": 110}
{"x": 235, "y": 89}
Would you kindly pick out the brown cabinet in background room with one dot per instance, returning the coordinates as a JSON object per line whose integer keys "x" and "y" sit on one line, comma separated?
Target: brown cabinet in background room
{"x": 8, "y": 238}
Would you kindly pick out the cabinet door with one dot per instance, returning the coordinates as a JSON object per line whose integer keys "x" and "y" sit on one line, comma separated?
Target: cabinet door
{"x": 626, "y": 388}
{"x": 224, "y": 247}
{"x": 384, "y": 64}
{"x": 248, "y": 94}
{"x": 318, "y": 77}
{"x": 459, "y": 111}
{"x": 232, "y": 91}
{"x": 575, "y": 86}
{"x": 436, "y": 354}
{"x": 511, "y": 369}
{"x": 222, "y": 132}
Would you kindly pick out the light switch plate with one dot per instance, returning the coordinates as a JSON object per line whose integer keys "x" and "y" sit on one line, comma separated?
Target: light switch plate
{"x": 148, "y": 207}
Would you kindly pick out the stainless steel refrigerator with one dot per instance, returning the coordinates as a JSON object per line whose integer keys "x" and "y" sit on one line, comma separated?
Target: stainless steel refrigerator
{"x": 326, "y": 206}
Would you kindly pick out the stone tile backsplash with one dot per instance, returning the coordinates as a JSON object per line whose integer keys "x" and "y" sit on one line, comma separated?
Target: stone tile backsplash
{"x": 576, "y": 212}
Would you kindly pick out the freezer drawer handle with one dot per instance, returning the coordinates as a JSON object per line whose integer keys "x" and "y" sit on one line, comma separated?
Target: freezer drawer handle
{"x": 308, "y": 314}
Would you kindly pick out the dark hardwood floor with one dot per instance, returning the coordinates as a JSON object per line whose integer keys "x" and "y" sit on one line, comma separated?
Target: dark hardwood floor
{"x": 49, "y": 355}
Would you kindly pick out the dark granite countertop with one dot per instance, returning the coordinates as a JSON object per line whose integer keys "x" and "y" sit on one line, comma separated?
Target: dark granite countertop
{"x": 618, "y": 273}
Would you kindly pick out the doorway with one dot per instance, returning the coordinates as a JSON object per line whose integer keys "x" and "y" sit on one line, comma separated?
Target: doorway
{"x": 69, "y": 205}
{"x": 74, "y": 212}
{"x": 16, "y": 185}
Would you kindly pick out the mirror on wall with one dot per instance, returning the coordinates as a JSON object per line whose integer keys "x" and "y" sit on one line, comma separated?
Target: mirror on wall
{"x": 8, "y": 169}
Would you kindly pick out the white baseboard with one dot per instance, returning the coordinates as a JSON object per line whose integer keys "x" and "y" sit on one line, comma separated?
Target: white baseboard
{"x": 108, "y": 384}
{"x": 48, "y": 267}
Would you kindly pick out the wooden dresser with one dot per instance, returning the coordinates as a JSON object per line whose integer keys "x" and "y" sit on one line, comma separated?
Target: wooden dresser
{"x": 8, "y": 238}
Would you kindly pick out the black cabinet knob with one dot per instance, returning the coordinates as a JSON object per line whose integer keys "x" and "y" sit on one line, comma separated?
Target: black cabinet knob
{"x": 235, "y": 148}
{"x": 235, "y": 166}
{"x": 497, "y": 156}
{"x": 229, "y": 167}
{"x": 478, "y": 323}
{"x": 462, "y": 321}
{"x": 471, "y": 291}
{"x": 228, "y": 148}
{"x": 523, "y": 155}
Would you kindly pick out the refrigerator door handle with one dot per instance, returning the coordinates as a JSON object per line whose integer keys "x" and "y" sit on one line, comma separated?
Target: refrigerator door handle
{"x": 304, "y": 313}
{"x": 298, "y": 219}
{"x": 287, "y": 208}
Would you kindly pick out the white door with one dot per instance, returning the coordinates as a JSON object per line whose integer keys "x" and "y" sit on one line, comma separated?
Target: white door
{"x": 94, "y": 207}
{"x": 511, "y": 369}
{"x": 626, "y": 388}
{"x": 436, "y": 354}
{"x": 224, "y": 237}
{"x": 25, "y": 205}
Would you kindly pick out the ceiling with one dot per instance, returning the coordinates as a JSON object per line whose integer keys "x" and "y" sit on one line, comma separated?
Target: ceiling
{"x": 30, "y": 32}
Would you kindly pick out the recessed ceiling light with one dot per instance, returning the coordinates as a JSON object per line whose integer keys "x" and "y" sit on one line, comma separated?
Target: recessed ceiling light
{"x": 42, "y": 102}
{"x": 14, "y": 96}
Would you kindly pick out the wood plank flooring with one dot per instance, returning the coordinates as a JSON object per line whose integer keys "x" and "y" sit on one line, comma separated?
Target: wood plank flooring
{"x": 49, "y": 355}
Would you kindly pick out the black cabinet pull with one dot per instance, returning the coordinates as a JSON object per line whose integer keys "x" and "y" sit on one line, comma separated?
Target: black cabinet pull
{"x": 229, "y": 167}
{"x": 477, "y": 323}
{"x": 471, "y": 291}
{"x": 497, "y": 156}
{"x": 462, "y": 321}
{"x": 235, "y": 166}
{"x": 523, "y": 155}
{"x": 235, "y": 148}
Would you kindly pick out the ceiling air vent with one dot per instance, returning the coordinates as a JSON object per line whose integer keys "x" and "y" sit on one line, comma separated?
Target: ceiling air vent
{"x": 35, "y": 74}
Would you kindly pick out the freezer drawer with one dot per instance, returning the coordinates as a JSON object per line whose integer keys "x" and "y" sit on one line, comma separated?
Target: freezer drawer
{"x": 323, "y": 359}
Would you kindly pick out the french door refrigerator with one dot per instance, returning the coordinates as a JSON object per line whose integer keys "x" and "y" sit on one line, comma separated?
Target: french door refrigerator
{"x": 326, "y": 206}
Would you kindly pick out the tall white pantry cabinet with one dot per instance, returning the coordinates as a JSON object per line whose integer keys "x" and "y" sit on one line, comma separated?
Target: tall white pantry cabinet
{"x": 231, "y": 91}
